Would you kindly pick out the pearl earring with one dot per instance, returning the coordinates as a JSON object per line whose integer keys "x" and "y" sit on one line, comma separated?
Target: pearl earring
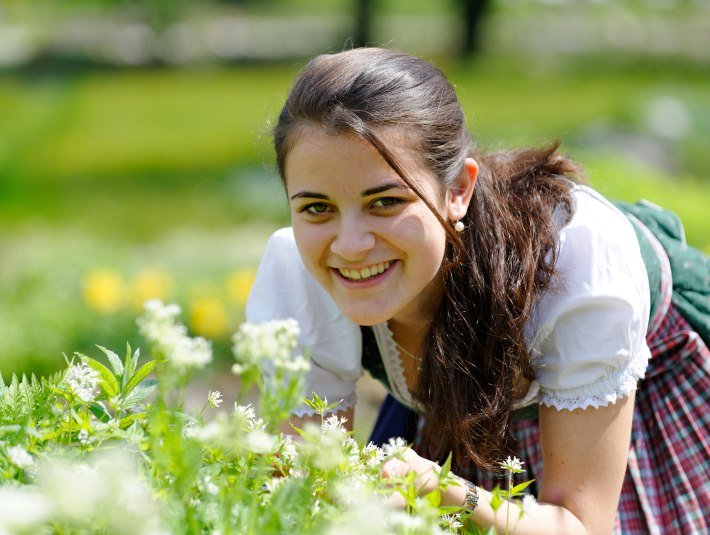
{"x": 459, "y": 226}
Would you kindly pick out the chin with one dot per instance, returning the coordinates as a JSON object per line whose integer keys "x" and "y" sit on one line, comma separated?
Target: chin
{"x": 366, "y": 318}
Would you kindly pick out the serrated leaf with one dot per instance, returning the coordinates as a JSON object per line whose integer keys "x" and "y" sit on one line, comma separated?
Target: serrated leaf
{"x": 116, "y": 364}
{"x": 128, "y": 366}
{"x": 517, "y": 489}
{"x": 141, "y": 374}
{"x": 107, "y": 381}
{"x": 139, "y": 394}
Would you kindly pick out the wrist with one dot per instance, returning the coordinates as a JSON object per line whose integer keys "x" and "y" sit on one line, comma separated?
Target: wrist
{"x": 467, "y": 496}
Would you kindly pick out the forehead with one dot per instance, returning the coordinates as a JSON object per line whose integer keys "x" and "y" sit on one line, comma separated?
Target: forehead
{"x": 346, "y": 158}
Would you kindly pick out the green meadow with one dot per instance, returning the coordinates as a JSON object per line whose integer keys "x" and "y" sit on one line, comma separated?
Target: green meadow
{"x": 117, "y": 185}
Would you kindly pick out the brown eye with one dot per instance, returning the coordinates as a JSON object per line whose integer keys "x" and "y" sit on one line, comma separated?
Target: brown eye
{"x": 316, "y": 208}
{"x": 386, "y": 202}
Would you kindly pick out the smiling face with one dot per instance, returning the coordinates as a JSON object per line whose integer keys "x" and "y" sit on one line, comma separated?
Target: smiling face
{"x": 363, "y": 234}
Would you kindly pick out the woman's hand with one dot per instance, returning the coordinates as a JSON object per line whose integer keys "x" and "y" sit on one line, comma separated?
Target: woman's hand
{"x": 426, "y": 480}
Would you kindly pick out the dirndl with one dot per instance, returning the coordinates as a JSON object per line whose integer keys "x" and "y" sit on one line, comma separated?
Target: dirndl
{"x": 666, "y": 487}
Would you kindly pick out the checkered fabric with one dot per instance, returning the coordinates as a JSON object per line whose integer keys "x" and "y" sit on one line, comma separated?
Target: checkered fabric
{"x": 667, "y": 487}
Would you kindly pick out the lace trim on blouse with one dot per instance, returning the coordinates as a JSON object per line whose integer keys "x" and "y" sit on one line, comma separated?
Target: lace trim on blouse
{"x": 392, "y": 360}
{"x": 597, "y": 395}
{"x": 603, "y": 393}
{"x": 346, "y": 403}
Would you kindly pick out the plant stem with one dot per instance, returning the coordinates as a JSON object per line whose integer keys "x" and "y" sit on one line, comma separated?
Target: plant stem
{"x": 507, "y": 506}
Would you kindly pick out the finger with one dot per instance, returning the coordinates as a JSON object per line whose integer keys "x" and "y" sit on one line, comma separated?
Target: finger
{"x": 397, "y": 501}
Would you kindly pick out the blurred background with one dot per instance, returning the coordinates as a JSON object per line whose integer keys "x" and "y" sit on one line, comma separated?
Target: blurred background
{"x": 135, "y": 157}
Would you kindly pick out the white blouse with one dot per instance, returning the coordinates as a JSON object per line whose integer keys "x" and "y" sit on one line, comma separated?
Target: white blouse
{"x": 586, "y": 337}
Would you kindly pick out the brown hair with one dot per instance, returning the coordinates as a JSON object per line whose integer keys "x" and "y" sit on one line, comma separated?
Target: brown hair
{"x": 475, "y": 354}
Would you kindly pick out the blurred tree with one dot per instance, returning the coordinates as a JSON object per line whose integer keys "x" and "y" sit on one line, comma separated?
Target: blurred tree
{"x": 363, "y": 17}
{"x": 474, "y": 11}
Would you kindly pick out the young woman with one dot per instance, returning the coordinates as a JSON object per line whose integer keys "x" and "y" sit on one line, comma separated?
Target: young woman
{"x": 509, "y": 307}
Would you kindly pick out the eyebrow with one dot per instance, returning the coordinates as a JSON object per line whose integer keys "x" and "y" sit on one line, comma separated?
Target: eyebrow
{"x": 368, "y": 192}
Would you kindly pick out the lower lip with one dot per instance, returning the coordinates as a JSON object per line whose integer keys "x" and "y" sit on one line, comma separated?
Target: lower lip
{"x": 367, "y": 283}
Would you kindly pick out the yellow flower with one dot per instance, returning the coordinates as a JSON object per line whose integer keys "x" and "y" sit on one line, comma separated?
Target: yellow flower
{"x": 208, "y": 317}
{"x": 153, "y": 283}
{"x": 239, "y": 284}
{"x": 104, "y": 290}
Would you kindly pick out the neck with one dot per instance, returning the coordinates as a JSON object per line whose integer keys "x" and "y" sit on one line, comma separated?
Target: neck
{"x": 409, "y": 335}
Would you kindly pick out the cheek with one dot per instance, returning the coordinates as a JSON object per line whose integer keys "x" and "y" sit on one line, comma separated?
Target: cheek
{"x": 311, "y": 244}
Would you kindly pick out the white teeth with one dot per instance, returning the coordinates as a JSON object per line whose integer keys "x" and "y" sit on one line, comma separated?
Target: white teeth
{"x": 365, "y": 273}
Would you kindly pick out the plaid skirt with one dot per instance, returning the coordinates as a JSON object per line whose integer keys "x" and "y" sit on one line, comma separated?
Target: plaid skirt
{"x": 667, "y": 487}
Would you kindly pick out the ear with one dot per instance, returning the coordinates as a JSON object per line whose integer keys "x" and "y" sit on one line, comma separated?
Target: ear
{"x": 459, "y": 194}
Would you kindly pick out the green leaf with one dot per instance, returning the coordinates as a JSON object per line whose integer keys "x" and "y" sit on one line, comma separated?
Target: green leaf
{"x": 108, "y": 382}
{"x": 141, "y": 374}
{"x": 434, "y": 498}
{"x": 129, "y": 366}
{"x": 445, "y": 468}
{"x": 139, "y": 394}
{"x": 518, "y": 489}
{"x": 496, "y": 500}
{"x": 113, "y": 359}
{"x": 98, "y": 410}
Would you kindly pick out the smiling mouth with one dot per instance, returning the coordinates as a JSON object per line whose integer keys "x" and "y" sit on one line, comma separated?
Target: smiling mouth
{"x": 365, "y": 273}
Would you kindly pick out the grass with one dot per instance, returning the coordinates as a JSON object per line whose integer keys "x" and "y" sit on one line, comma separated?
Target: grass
{"x": 122, "y": 169}
{"x": 151, "y": 147}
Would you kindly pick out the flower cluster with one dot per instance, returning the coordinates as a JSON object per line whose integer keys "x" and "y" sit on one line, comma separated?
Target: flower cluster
{"x": 274, "y": 341}
{"x": 138, "y": 463}
{"x": 82, "y": 381}
{"x": 169, "y": 338}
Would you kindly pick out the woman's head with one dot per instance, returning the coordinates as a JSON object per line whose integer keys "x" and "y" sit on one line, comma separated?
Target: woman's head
{"x": 372, "y": 146}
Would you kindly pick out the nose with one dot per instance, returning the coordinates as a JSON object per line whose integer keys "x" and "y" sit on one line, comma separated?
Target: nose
{"x": 353, "y": 239}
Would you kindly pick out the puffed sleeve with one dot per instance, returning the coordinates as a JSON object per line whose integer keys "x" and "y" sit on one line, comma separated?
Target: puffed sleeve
{"x": 283, "y": 288}
{"x": 589, "y": 346}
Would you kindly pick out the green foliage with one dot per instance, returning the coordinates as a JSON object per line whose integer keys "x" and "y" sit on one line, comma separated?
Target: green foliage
{"x": 137, "y": 462}
{"x": 22, "y": 400}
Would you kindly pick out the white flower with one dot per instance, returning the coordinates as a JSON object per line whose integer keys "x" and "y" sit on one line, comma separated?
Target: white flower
{"x": 159, "y": 326}
{"x": 529, "y": 506}
{"x": 19, "y": 457}
{"x": 406, "y": 521}
{"x": 244, "y": 411}
{"x": 512, "y": 464}
{"x": 188, "y": 430}
{"x": 395, "y": 447}
{"x": 190, "y": 353}
{"x": 451, "y": 522}
{"x": 214, "y": 398}
{"x": 209, "y": 433}
{"x": 273, "y": 483}
{"x": 333, "y": 422}
{"x": 21, "y": 508}
{"x": 82, "y": 381}
{"x": 257, "y": 424}
{"x": 106, "y": 490}
{"x": 273, "y": 341}
{"x": 83, "y": 437}
{"x": 288, "y": 450}
{"x": 374, "y": 455}
{"x": 259, "y": 442}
